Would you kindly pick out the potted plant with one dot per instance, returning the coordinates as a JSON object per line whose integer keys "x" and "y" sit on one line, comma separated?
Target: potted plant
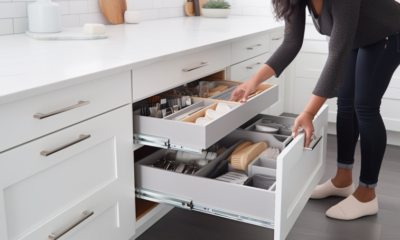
{"x": 216, "y": 9}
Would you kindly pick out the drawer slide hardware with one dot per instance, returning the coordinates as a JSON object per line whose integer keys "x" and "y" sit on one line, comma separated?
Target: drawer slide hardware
{"x": 80, "y": 139}
{"x": 232, "y": 216}
{"x": 189, "y": 205}
{"x": 86, "y": 215}
{"x": 161, "y": 142}
{"x": 164, "y": 198}
{"x": 42, "y": 116}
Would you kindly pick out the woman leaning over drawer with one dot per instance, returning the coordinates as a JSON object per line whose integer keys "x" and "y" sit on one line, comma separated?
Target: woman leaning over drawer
{"x": 364, "y": 52}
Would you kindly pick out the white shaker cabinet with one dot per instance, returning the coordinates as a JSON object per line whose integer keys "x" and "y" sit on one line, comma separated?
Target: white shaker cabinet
{"x": 82, "y": 175}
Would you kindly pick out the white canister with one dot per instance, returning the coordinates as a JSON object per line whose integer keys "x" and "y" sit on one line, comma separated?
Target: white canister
{"x": 44, "y": 17}
{"x": 132, "y": 16}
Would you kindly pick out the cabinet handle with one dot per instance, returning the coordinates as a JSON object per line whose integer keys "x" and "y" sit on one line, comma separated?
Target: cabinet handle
{"x": 252, "y": 48}
{"x": 314, "y": 142}
{"x": 86, "y": 215}
{"x": 252, "y": 66}
{"x": 41, "y": 115}
{"x": 202, "y": 64}
{"x": 276, "y": 39}
{"x": 80, "y": 139}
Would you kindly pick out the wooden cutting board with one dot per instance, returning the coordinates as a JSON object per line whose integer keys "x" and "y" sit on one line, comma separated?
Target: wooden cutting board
{"x": 113, "y": 10}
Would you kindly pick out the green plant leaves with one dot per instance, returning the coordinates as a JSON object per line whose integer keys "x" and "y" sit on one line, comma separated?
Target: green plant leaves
{"x": 216, "y": 4}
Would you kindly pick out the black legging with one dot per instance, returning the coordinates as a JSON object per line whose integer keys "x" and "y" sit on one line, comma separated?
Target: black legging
{"x": 367, "y": 77}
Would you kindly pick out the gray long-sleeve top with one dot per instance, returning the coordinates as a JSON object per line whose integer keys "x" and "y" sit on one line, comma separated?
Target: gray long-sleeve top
{"x": 350, "y": 24}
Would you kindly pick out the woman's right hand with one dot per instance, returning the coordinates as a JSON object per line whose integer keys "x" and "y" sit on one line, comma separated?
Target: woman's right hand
{"x": 242, "y": 92}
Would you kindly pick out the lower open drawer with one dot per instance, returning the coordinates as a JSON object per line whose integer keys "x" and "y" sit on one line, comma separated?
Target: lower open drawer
{"x": 298, "y": 171}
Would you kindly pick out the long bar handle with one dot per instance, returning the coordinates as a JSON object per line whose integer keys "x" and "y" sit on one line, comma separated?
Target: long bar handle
{"x": 41, "y": 115}
{"x": 252, "y": 66}
{"x": 202, "y": 64}
{"x": 80, "y": 139}
{"x": 276, "y": 39}
{"x": 86, "y": 215}
{"x": 252, "y": 48}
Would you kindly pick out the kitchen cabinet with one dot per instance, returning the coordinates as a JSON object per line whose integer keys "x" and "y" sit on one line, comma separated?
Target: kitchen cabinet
{"x": 69, "y": 173}
{"x": 80, "y": 175}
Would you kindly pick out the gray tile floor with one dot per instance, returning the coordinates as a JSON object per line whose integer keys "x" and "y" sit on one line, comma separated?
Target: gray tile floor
{"x": 312, "y": 223}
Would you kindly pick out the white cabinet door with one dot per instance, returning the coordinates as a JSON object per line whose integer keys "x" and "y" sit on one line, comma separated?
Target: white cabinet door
{"x": 49, "y": 183}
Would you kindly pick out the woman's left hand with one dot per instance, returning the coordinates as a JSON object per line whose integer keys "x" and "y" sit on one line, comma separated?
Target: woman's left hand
{"x": 304, "y": 120}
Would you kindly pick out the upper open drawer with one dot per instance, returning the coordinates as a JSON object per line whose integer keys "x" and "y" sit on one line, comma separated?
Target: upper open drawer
{"x": 187, "y": 135}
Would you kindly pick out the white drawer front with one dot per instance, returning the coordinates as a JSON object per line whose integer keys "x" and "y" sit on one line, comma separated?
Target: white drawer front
{"x": 298, "y": 173}
{"x": 203, "y": 136}
{"x": 276, "y": 40}
{"x": 390, "y": 114}
{"x": 245, "y": 70}
{"x": 310, "y": 65}
{"x": 249, "y": 48}
{"x": 45, "y": 192}
{"x": 18, "y": 124}
{"x": 161, "y": 76}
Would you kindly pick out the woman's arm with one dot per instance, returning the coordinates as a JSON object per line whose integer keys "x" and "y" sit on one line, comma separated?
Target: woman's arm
{"x": 283, "y": 56}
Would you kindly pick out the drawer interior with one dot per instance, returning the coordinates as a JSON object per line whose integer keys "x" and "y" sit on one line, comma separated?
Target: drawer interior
{"x": 210, "y": 195}
{"x": 180, "y": 127}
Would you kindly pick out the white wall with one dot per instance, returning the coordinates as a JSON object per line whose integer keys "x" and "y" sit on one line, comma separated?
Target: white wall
{"x": 75, "y": 13}
{"x": 251, "y": 7}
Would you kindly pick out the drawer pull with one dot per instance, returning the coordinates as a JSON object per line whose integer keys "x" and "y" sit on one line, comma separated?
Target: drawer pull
{"x": 252, "y": 48}
{"x": 276, "y": 39}
{"x": 41, "y": 115}
{"x": 80, "y": 139}
{"x": 314, "y": 142}
{"x": 202, "y": 64}
{"x": 86, "y": 215}
{"x": 252, "y": 66}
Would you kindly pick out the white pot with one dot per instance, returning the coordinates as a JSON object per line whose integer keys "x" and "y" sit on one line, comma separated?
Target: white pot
{"x": 215, "y": 12}
{"x": 44, "y": 17}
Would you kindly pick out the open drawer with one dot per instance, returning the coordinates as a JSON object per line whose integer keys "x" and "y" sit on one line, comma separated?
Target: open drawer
{"x": 297, "y": 171}
{"x": 189, "y": 136}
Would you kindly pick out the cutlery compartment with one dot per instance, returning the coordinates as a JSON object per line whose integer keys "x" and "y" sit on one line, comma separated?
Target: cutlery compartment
{"x": 185, "y": 134}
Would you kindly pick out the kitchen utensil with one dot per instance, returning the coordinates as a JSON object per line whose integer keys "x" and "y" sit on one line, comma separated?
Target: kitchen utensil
{"x": 113, "y": 10}
{"x": 267, "y": 128}
{"x": 204, "y": 90}
{"x": 196, "y": 7}
{"x": 238, "y": 148}
{"x": 222, "y": 108}
{"x": 220, "y": 88}
{"x": 211, "y": 114}
{"x": 241, "y": 159}
{"x": 44, "y": 16}
{"x": 233, "y": 177}
{"x": 202, "y": 121}
{"x": 189, "y": 8}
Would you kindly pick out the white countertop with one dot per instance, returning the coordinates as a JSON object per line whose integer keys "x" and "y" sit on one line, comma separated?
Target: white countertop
{"x": 29, "y": 67}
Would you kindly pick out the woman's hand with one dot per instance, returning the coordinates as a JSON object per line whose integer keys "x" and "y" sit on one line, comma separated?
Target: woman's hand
{"x": 304, "y": 120}
{"x": 242, "y": 92}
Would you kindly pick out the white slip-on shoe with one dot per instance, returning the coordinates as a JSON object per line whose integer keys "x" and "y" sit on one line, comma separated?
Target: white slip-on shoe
{"x": 351, "y": 208}
{"x": 328, "y": 189}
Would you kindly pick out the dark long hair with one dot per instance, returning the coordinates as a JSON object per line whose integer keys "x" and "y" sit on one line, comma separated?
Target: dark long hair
{"x": 287, "y": 10}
